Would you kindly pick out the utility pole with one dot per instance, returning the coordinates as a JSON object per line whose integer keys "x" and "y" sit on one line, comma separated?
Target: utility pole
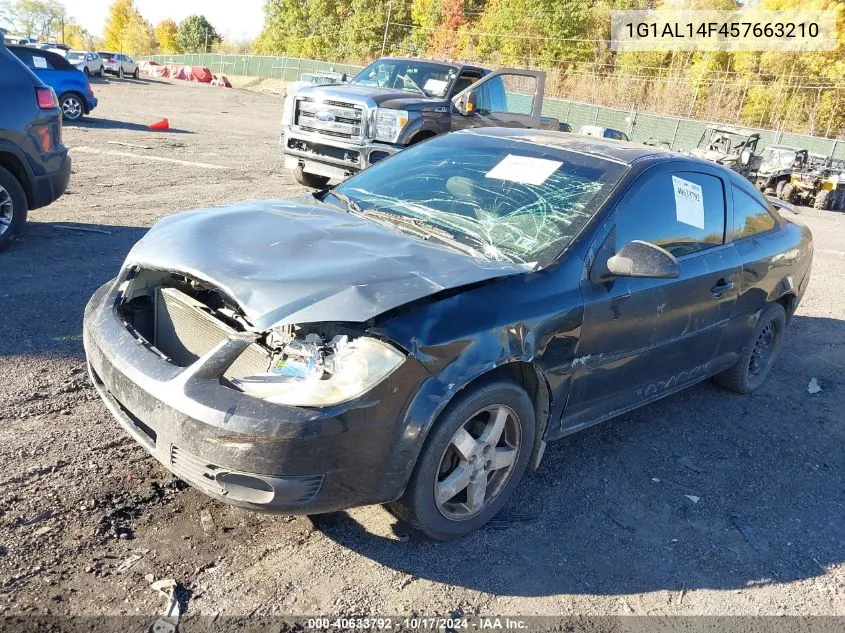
{"x": 386, "y": 26}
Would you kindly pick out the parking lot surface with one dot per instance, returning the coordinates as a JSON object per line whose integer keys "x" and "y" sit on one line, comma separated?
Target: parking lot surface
{"x": 704, "y": 503}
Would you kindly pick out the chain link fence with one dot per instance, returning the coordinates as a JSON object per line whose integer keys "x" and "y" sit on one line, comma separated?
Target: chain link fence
{"x": 678, "y": 132}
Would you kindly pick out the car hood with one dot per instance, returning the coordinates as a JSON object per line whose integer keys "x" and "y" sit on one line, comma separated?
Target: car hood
{"x": 302, "y": 261}
{"x": 373, "y": 95}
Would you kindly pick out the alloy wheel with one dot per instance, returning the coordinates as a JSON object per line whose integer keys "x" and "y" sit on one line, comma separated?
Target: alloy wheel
{"x": 7, "y": 210}
{"x": 478, "y": 462}
{"x": 71, "y": 108}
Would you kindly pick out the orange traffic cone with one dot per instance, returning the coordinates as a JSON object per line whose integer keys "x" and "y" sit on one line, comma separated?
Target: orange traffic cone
{"x": 164, "y": 124}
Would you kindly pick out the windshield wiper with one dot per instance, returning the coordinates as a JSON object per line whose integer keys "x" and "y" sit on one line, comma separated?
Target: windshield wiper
{"x": 421, "y": 229}
{"x": 351, "y": 205}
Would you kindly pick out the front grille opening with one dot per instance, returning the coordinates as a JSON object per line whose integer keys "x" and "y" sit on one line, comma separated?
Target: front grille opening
{"x": 180, "y": 318}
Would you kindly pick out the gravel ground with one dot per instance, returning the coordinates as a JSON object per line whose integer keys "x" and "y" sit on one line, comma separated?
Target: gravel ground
{"x": 605, "y": 525}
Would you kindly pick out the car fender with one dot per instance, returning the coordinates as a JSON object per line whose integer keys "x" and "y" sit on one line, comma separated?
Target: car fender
{"x": 420, "y": 124}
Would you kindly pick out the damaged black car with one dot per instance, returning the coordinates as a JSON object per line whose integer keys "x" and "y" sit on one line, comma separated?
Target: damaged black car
{"x": 416, "y": 335}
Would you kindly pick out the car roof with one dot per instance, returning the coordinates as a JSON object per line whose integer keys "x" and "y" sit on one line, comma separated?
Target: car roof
{"x": 619, "y": 151}
{"x": 433, "y": 61}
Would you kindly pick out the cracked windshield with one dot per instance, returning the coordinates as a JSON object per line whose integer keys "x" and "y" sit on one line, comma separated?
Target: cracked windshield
{"x": 423, "y": 78}
{"x": 489, "y": 197}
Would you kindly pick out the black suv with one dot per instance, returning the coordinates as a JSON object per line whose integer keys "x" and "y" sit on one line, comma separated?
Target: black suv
{"x": 34, "y": 165}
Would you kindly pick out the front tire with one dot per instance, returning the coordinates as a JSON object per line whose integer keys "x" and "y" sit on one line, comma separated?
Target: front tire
{"x": 760, "y": 354}
{"x": 471, "y": 463}
{"x": 102, "y": 72}
{"x": 71, "y": 105}
{"x": 135, "y": 74}
{"x": 310, "y": 180}
{"x": 787, "y": 194}
{"x": 779, "y": 188}
{"x": 86, "y": 71}
{"x": 13, "y": 208}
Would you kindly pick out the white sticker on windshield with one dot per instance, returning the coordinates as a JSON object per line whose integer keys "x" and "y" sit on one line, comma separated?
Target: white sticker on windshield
{"x": 689, "y": 202}
{"x": 436, "y": 87}
{"x": 39, "y": 62}
{"x": 524, "y": 169}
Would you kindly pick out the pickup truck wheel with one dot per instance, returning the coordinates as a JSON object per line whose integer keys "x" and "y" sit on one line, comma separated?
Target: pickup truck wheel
{"x": 757, "y": 359}
{"x": 310, "y": 180}
{"x": 779, "y": 188}
{"x": 13, "y": 208}
{"x": 471, "y": 463}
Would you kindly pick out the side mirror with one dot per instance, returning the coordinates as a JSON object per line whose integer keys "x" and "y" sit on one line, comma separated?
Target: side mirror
{"x": 466, "y": 103}
{"x": 642, "y": 259}
{"x": 745, "y": 157}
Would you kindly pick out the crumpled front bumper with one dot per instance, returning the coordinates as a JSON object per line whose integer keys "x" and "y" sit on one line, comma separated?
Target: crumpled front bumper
{"x": 239, "y": 449}
{"x": 329, "y": 157}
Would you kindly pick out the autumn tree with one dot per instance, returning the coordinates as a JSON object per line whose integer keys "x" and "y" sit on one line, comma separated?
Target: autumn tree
{"x": 139, "y": 37}
{"x": 165, "y": 34}
{"x": 78, "y": 38}
{"x": 120, "y": 12}
{"x": 196, "y": 35}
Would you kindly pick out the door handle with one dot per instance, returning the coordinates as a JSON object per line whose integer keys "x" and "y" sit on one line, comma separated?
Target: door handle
{"x": 722, "y": 286}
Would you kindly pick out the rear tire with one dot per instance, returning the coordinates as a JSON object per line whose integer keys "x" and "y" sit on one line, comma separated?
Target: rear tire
{"x": 483, "y": 465}
{"x": 120, "y": 73}
{"x": 72, "y": 106}
{"x": 822, "y": 201}
{"x": 102, "y": 72}
{"x": 135, "y": 74}
{"x": 86, "y": 71}
{"x": 310, "y": 180}
{"x": 13, "y": 208}
{"x": 755, "y": 362}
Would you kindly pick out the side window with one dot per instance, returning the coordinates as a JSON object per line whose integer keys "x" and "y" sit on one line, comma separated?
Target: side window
{"x": 467, "y": 78}
{"x": 683, "y": 212}
{"x": 24, "y": 56}
{"x": 750, "y": 217}
{"x": 513, "y": 94}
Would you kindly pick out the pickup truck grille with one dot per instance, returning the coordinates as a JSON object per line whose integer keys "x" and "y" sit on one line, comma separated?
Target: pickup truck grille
{"x": 330, "y": 118}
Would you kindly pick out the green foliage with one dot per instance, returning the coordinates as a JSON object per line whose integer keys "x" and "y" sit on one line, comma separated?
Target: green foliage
{"x": 165, "y": 34}
{"x": 41, "y": 19}
{"x": 570, "y": 40}
{"x": 196, "y": 35}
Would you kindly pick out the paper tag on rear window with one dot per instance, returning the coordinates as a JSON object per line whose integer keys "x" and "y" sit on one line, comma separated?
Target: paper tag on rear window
{"x": 39, "y": 62}
{"x": 524, "y": 169}
{"x": 689, "y": 202}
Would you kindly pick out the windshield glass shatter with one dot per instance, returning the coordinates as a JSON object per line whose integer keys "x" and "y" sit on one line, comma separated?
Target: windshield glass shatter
{"x": 457, "y": 185}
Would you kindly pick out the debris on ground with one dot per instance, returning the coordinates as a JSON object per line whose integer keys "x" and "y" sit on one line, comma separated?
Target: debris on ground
{"x": 747, "y": 531}
{"x": 129, "y": 144}
{"x": 207, "y": 521}
{"x": 130, "y": 560}
{"x": 693, "y": 498}
{"x": 814, "y": 386}
{"x": 41, "y": 516}
{"x": 83, "y": 229}
{"x": 168, "y": 622}
{"x": 687, "y": 463}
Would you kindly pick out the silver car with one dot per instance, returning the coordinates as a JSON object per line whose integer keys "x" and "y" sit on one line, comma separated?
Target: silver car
{"x": 119, "y": 64}
{"x": 88, "y": 62}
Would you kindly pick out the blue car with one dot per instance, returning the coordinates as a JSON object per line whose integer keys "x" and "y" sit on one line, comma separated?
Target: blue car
{"x": 76, "y": 98}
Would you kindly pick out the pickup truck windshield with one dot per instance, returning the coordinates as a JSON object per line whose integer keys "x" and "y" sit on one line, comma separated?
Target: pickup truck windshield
{"x": 497, "y": 198}
{"x": 426, "y": 79}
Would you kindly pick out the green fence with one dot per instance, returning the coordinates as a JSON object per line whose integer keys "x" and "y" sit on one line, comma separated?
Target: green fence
{"x": 680, "y": 133}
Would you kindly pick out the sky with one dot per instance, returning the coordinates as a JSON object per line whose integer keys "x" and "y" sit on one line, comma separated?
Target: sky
{"x": 233, "y": 19}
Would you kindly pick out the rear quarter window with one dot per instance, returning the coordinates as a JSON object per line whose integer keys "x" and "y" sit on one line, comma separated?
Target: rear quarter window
{"x": 750, "y": 217}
